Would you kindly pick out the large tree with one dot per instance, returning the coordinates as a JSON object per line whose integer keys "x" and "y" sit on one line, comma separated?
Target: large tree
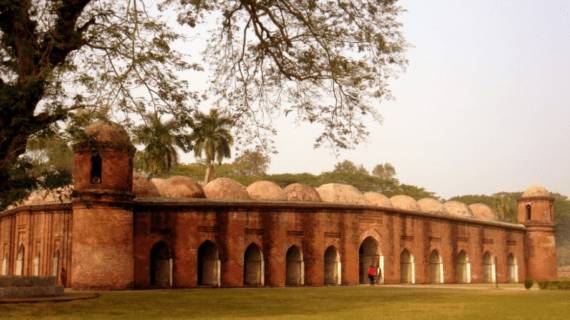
{"x": 321, "y": 61}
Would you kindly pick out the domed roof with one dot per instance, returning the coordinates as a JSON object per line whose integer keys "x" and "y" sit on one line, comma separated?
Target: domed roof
{"x": 536, "y": 191}
{"x": 160, "y": 185}
{"x": 225, "y": 188}
{"x": 405, "y": 202}
{"x": 483, "y": 211}
{"x": 458, "y": 209}
{"x": 431, "y": 205}
{"x": 301, "y": 192}
{"x": 143, "y": 187}
{"x": 182, "y": 187}
{"x": 341, "y": 193}
{"x": 103, "y": 131}
{"x": 378, "y": 199}
{"x": 57, "y": 195}
{"x": 266, "y": 190}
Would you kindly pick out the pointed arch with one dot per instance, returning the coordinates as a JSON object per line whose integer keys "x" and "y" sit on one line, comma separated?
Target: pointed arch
{"x": 5, "y": 265}
{"x": 295, "y": 267}
{"x": 463, "y": 268}
{"x": 20, "y": 261}
{"x": 208, "y": 264}
{"x": 37, "y": 264}
{"x": 332, "y": 266}
{"x": 369, "y": 256}
{"x": 488, "y": 268}
{"x": 512, "y": 268}
{"x": 160, "y": 265}
{"x": 436, "y": 267}
{"x": 253, "y": 266}
{"x": 407, "y": 267}
{"x": 56, "y": 264}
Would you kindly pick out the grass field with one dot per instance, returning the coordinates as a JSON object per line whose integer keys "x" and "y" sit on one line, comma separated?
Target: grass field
{"x": 382, "y": 302}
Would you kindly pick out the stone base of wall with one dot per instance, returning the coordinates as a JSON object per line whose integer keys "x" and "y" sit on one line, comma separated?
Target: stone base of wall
{"x": 28, "y": 287}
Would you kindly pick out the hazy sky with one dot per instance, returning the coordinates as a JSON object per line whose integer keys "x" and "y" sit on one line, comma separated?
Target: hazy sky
{"x": 483, "y": 107}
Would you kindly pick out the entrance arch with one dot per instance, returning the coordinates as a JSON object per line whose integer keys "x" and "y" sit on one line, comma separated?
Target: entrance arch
{"x": 160, "y": 265}
{"x": 5, "y": 265}
{"x": 295, "y": 267}
{"x": 37, "y": 264}
{"x": 463, "y": 268}
{"x": 332, "y": 266}
{"x": 435, "y": 267}
{"x": 369, "y": 256}
{"x": 512, "y": 275}
{"x": 20, "y": 261}
{"x": 407, "y": 268}
{"x": 208, "y": 264}
{"x": 253, "y": 266}
{"x": 488, "y": 268}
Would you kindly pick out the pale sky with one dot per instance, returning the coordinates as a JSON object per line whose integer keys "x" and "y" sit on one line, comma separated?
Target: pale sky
{"x": 483, "y": 107}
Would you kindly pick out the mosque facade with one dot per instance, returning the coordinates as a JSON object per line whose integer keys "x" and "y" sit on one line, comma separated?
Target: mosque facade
{"x": 117, "y": 230}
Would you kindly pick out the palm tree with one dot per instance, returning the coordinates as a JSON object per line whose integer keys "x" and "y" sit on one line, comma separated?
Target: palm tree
{"x": 211, "y": 135}
{"x": 160, "y": 139}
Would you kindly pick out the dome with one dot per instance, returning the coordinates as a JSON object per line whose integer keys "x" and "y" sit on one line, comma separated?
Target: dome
{"x": 458, "y": 209}
{"x": 182, "y": 187}
{"x": 103, "y": 131}
{"x": 301, "y": 192}
{"x": 432, "y": 206}
{"x": 405, "y": 202}
{"x": 536, "y": 191}
{"x": 160, "y": 185}
{"x": 341, "y": 193}
{"x": 225, "y": 188}
{"x": 483, "y": 211}
{"x": 378, "y": 199}
{"x": 143, "y": 187}
{"x": 266, "y": 190}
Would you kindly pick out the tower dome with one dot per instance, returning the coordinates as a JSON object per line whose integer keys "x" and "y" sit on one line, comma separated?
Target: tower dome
{"x": 536, "y": 191}
{"x": 109, "y": 133}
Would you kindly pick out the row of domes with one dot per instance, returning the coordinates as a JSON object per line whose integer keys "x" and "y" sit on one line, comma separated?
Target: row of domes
{"x": 228, "y": 189}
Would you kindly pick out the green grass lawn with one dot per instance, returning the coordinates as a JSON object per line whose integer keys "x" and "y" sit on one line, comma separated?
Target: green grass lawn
{"x": 387, "y": 302}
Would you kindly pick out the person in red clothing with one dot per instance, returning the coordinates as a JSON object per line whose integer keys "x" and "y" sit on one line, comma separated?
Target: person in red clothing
{"x": 371, "y": 272}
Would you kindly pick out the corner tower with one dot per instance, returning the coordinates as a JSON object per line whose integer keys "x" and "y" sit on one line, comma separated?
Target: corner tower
{"x": 536, "y": 213}
{"x": 102, "y": 252}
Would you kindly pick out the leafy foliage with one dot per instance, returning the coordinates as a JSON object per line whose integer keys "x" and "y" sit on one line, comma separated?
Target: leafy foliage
{"x": 211, "y": 134}
{"x": 384, "y": 171}
{"x": 159, "y": 139}
{"x": 252, "y": 163}
{"x": 348, "y": 166}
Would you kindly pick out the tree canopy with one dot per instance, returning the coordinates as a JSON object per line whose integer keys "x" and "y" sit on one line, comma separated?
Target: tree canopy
{"x": 323, "y": 62}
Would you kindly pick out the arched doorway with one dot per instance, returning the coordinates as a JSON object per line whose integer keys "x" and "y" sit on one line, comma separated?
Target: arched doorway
{"x": 295, "y": 267}
{"x": 253, "y": 266}
{"x": 5, "y": 265}
{"x": 208, "y": 264}
{"x": 20, "y": 262}
{"x": 463, "y": 268}
{"x": 512, "y": 269}
{"x": 56, "y": 264}
{"x": 407, "y": 268}
{"x": 488, "y": 268}
{"x": 435, "y": 268}
{"x": 160, "y": 265}
{"x": 37, "y": 264}
{"x": 332, "y": 266}
{"x": 369, "y": 256}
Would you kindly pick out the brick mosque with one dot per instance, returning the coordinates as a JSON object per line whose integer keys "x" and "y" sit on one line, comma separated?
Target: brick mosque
{"x": 121, "y": 230}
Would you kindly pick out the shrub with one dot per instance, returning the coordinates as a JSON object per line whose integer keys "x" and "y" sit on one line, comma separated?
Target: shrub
{"x": 543, "y": 284}
{"x": 528, "y": 282}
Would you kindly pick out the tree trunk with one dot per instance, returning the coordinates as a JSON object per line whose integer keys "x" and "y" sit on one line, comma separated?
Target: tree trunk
{"x": 209, "y": 173}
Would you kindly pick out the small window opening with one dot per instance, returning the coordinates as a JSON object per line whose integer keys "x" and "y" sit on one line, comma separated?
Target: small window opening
{"x": 96, "y": 169}
{"x": 528, "y": 211}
